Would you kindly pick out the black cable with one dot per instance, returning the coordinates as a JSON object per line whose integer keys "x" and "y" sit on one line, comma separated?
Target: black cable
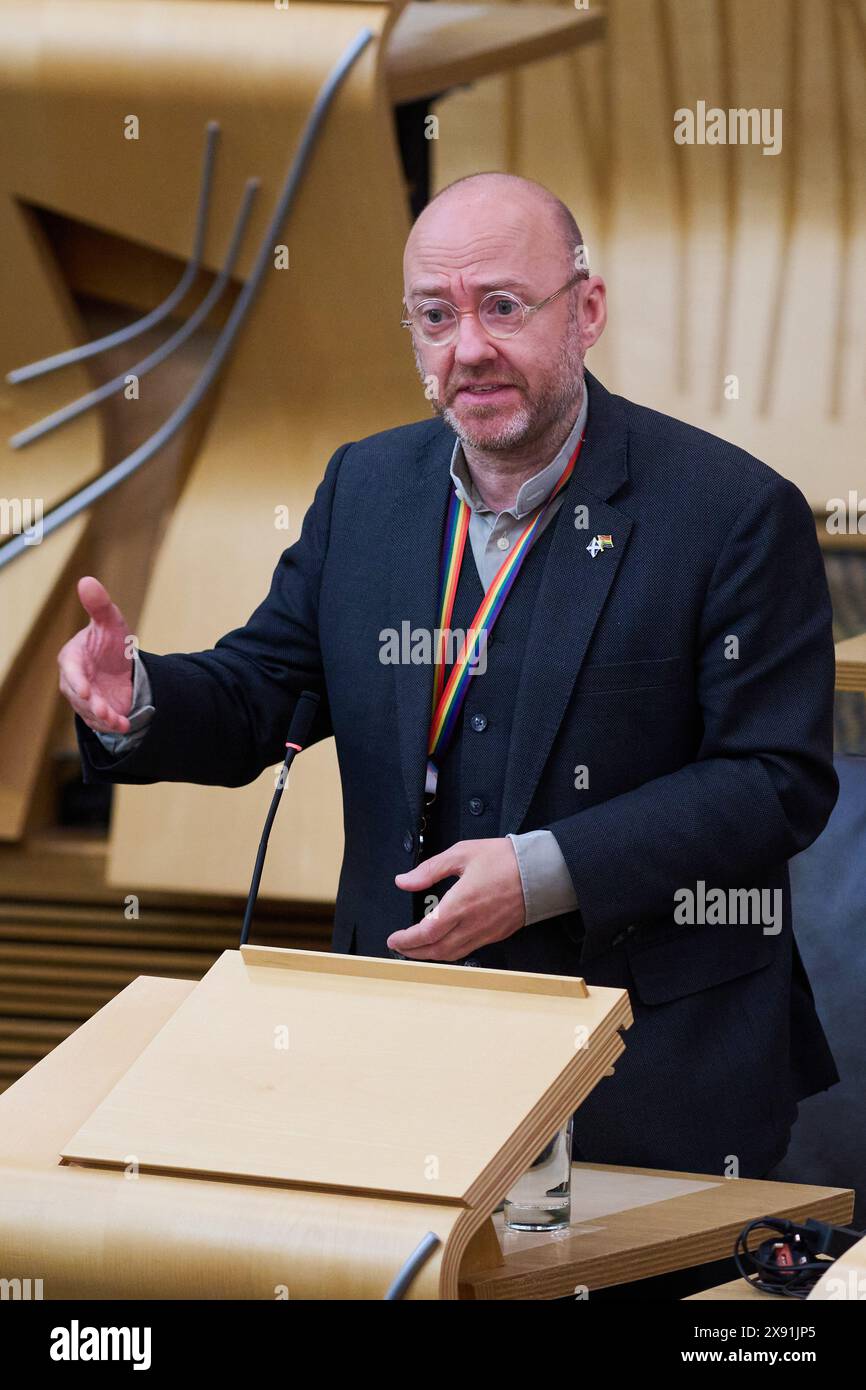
{"x": 790, "y": 1265}
{"x": 306, "y": 707}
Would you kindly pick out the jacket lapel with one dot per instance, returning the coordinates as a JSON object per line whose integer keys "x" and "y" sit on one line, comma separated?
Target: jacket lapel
{"x": 417, "y": 524}
{"x": 571, "y": 595}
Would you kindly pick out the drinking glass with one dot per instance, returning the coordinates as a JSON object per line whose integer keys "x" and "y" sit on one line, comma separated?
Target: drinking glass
{"x": 541, "y": 1199}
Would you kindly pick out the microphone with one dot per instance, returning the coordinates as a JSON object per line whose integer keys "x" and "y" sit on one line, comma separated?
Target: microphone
{"x": 302, "y": 722}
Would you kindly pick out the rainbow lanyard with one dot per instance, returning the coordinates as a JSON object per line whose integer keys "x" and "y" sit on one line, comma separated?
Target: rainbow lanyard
{"x": 448, "y": 702}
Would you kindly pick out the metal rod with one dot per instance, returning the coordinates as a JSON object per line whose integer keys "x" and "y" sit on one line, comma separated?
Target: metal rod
{"x": 92, "y": 492}
{"x": 150, "y": 320}
{"x": 159, "y": 355}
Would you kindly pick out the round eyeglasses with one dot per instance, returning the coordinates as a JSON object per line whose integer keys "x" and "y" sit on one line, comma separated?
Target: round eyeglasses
{"x": 500, "y": 313}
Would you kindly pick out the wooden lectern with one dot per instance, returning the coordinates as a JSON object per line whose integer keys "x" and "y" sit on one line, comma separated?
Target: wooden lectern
{"x": 293, "y": 1126}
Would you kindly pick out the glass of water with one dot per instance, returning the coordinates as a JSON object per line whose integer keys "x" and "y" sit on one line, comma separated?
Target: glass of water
{"x": 541, "y": 1199}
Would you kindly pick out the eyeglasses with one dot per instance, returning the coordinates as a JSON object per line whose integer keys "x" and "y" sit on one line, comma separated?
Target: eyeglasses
{"x": 500, "y": 313}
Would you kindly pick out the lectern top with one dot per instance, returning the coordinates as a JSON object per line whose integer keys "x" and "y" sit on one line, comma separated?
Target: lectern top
{"x": 354, "y": 1073}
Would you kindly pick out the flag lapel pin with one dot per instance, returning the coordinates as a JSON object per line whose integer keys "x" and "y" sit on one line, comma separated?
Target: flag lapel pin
{"x": 598, "y": 544}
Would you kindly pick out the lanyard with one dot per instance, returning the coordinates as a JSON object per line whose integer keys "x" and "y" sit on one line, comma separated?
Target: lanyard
{"x": 448, "y": 695}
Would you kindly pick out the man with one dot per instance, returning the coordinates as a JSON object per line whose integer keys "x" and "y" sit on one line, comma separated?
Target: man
{"x": 645, "y": 728}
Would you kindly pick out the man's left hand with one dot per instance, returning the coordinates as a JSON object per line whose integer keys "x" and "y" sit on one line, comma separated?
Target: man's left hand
{"x": 485, "y": 905}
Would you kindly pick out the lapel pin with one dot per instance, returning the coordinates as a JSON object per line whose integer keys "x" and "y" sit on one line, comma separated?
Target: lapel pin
{"x": 598, "y": 544}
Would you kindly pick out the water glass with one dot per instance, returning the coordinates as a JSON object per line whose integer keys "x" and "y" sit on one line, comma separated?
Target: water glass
{"x": 541, "y": 1199}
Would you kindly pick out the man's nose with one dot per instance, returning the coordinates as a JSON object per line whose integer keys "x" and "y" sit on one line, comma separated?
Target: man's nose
{"x": 472, "y": 345}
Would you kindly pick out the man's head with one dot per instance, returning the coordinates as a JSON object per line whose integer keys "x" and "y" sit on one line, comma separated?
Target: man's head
{"x": 500, "y": 232}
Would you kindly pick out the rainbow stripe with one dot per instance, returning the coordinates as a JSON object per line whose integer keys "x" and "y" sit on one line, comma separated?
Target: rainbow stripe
{"x": 448, "y": 702}
{"x": 453, "y": 546}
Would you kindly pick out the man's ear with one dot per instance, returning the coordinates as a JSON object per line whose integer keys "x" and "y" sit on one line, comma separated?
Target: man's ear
{"x": 594, "y": 311}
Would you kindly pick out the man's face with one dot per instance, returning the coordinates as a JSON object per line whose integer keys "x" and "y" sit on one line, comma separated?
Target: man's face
{"x": 463, "y": 247}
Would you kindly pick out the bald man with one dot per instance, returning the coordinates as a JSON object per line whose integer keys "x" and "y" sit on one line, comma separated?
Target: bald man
{"x": 577, "y": 660}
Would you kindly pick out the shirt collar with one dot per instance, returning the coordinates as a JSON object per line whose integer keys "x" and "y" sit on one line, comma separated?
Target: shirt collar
{"x": 536, "y": 490}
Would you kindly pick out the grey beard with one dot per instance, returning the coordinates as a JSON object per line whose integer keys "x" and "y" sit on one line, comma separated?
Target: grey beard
{"x": 555, "y": 401}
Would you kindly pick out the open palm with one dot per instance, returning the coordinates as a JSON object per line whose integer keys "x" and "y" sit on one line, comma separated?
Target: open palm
{"x": 96, "y": 664}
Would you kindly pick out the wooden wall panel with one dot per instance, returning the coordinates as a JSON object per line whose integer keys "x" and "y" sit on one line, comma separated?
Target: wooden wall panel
{"x": 719, "y": 260}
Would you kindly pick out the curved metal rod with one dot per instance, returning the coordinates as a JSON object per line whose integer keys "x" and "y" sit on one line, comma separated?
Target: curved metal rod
{"x": 159, "y": 355}
{"x": 405, "y": 1275}
{"x": 132, "y": 330}
{"x": 86, "y": 496}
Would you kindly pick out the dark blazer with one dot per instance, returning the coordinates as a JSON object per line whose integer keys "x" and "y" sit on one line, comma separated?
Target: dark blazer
{"x": 703, "y": 765}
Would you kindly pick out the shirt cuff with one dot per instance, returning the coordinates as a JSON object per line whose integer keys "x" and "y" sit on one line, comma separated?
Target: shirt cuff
{"x": 141, "y": 712}
{"x": 547, "y": 887}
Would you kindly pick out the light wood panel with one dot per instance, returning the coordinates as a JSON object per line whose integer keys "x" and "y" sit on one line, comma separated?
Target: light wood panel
{"x": 436, "y": 46}
{"x": 68, "y": 945}
{"x": 285, "y": 407}
{"x": 102, "y": 1234}
{"x": 845, "y": 1281}
{"x": 851, "y": 664}
{"x": 432, "y": 1082}
{"x": 86, "y": 210}
{"x": 634, "y": 1239}
{"x": 28, "y": 697}
{"x": 109, "y": 1235}
{"x": 736, "y": 1291}
{"x": 135, "y": 1234}
{"x": 720, "y": 261}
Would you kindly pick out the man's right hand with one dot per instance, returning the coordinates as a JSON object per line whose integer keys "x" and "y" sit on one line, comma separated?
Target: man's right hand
{"x": 96, "y": 664}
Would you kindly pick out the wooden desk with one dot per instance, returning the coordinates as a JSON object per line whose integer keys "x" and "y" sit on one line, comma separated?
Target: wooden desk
{"x": 737, "y": 1291}
{"x": 634, "y": 1223}
{"x": 628, "y": 1223}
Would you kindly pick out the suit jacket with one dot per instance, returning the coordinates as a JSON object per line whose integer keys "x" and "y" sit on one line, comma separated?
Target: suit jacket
{"x": 688, "y": 667}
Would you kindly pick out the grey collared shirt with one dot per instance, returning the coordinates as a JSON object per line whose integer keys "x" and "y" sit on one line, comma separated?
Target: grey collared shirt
{"x": 141, "y": 712}
{"x": 547, "y": 886}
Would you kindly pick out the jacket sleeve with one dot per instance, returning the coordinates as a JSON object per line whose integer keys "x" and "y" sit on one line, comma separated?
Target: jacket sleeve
{"x": 762, "y": 785}
{"x": 221, "y": 716}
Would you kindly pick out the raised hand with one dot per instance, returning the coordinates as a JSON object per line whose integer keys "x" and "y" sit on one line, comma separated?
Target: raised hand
{"x": 96, "y": 664}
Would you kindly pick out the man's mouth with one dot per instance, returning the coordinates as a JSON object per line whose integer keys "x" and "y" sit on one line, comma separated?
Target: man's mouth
{"x": 490, "y": 390}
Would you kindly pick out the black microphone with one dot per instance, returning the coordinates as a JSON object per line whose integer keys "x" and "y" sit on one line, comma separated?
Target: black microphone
{"x": 302, "y": 722}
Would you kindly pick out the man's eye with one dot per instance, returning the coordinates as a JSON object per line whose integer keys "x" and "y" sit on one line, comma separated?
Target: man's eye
{"x": 503, "y": 307}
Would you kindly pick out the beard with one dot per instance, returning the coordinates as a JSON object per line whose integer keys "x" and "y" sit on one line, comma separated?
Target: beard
{"x": 558, "y": 396}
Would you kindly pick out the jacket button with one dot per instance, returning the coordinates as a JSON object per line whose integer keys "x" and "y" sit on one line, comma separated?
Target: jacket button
{"x": 476, "y": 806}
{"x": 479, "y": 723}
{"x": 408, "y": 842}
